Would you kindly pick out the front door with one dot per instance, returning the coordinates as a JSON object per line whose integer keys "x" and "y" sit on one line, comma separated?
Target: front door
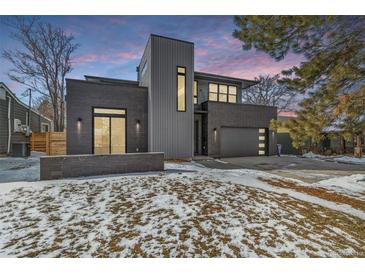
{"x": 109, "y": 131}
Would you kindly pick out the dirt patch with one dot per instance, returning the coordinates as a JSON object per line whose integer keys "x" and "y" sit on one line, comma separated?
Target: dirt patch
{"x": 318, "y": 192}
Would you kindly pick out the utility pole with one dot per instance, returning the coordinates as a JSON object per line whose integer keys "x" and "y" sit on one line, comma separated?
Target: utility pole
{"x": 29, "y": 110}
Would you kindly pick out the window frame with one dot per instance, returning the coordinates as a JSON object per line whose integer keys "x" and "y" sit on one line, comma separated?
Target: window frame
{"x": 224, "y": 94}
{"x": 177, "y": 88}
{"x": 229, "y": 94}
{"x": 218, "y": 92}
{"x": 108, "y": 116}
{"x": 45, "y": 124}
{"x": 212, "y": 83}
{"x": 197, "y": 90}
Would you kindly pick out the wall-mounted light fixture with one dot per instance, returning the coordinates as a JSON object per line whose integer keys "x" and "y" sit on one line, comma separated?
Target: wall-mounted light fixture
{"x": 138, "y": 124}
{"x": 79, "y": 120}
{"x": 215, "y": 135}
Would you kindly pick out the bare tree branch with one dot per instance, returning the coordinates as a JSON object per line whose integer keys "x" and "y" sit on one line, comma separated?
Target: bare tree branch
{"x": 269, "y": 92}
{"x": 43, "y": 61}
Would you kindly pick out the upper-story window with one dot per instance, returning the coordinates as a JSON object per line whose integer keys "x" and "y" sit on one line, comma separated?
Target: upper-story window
{"x": 232, "y": 94}
{"x": 181, "y": 89}
{"x": 195, "y": 92}
{"x": 222, "y": 93}
{"x": 223, "y": 90}
{"x": 213, "y": 92}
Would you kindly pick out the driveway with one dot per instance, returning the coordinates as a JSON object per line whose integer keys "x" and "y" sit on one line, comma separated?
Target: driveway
{"x": 13, "y": 169}
{"x": 308, "y": 170}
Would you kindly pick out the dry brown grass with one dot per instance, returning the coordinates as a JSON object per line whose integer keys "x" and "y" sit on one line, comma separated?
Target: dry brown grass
{"x": 318, "y": 192}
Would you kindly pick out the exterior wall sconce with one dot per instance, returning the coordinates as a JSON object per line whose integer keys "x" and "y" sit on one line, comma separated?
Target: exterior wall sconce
{"x": 79, "y": 120}
{"x": 215, "y": 135}
{"x": 138, "y": 123}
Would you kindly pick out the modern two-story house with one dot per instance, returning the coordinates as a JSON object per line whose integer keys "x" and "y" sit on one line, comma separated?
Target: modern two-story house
{"x": 170, "y": 108}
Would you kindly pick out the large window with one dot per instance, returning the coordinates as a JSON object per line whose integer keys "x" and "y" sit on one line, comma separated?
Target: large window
{"x": 222, "y": 93}
{"x": 181, "y": 89}
{"x": 109, "y": 130}
{"x": 195, "y": 92}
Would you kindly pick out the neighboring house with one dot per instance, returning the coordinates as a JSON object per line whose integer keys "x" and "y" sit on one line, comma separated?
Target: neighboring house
{"x": 15, "y": 121}
{"x": 170, "y": 108}
{"x": 332, "y": 143}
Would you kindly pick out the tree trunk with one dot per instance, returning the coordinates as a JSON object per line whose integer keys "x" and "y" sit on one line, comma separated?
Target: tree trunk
{"x": 56, "y": 120}
{"x": 343, "y": 145}
{"x": 358, "y": 148}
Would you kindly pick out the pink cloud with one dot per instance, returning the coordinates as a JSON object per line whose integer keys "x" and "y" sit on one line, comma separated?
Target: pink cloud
{"x": 111, "y": 57}
{"x": 128, "y": 55}
{"x": 243, "y": 64}
{"x": 201, "y": 52}
{"x": 86, "y": 58}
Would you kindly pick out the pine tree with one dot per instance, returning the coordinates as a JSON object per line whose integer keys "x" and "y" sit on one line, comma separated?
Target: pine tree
{"x": 332, "y": 75}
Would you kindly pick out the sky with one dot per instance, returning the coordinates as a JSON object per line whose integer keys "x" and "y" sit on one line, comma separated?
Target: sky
{"x": 111, "y": 46}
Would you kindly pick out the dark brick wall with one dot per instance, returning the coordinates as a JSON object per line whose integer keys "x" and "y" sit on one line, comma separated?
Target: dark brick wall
{"x": 58, "y": 167}
{"x": 83, "y": 95}
{"x": 237, "y": 115}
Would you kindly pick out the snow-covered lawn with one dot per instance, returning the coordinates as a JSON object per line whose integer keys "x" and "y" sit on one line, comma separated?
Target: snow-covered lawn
{"x": 188, "y": 211}
{"x": 339, "y": 159}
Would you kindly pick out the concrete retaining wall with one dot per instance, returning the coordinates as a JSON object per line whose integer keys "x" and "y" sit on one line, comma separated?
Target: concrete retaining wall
{"x": 57, "y": 167}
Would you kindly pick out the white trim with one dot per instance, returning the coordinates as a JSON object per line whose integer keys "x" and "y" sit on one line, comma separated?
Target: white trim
{"x": 45, "y": 124}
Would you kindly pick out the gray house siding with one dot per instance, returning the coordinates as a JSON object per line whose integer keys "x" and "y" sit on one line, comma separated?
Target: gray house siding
{"x": 170, "y": 131}
{"x": 236, "y": 115}
{"x": 145, "y": 79}
{"x": 3, "y": 125}
{"x": 17, "y": 111}
{"x": 83, "y": 95}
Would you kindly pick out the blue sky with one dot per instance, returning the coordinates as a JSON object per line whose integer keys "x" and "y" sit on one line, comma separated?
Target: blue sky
{"x": 111, "y": 46}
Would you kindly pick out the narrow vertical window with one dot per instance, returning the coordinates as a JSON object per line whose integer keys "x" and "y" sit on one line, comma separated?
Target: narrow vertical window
{"x": 232, "y": 94}
{"x": 181, "y": 89}
{"x": 222, "y": 93}
{"x": 195, "y": 92}
{"x": 213, "y": 92}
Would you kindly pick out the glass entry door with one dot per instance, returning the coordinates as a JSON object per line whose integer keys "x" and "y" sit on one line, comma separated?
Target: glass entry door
{"x": 109, "y": 131}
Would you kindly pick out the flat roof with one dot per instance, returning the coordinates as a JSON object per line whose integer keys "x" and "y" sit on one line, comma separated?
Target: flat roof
{"x": 110, "y": 80}
{"x": 165, "y": 37}
{"x": 224, "y": 77}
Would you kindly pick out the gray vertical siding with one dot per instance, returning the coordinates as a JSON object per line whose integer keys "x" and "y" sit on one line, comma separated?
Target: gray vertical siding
{"x": 17, "y": 111}
{"x": 145, "y": 81}
{"x": 3, "y": 125}
{"x": 170, "y": 131}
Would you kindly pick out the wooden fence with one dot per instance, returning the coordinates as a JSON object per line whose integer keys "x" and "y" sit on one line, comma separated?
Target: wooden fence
{"x": 52, "y": 143}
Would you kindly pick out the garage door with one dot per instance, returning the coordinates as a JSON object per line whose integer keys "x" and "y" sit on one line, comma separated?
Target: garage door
{"x": 237, "y": 142}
